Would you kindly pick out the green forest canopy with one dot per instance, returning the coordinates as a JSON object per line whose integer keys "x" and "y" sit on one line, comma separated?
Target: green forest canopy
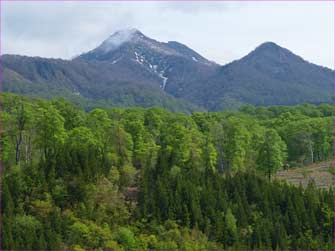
{"x": 149, "y": 179}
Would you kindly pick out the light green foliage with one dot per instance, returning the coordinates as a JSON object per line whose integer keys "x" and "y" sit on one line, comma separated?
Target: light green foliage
{"x": 72, "y": 116}
{"x": 82, "y": 145}
{"x": 122, "y": 144}
{"x": 126, "y": 238}
{"x": 128, "y": 173}
{"x": 50, "y": 131}
{"x": 272, "y": 153}
{"x": 176, "y": 142}
{"x": 127, "y": 179}
{"x": 230, "y": 227}
{"x": 238, "y": 141}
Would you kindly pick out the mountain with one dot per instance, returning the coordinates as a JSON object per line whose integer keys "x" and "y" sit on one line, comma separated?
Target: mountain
{"x": 131, "y": 69}
{"x": 269, "y": 75}
{"x": 172, "y": 66}
{"x": 87, "y": 85}
{"x": 103, "y": 77}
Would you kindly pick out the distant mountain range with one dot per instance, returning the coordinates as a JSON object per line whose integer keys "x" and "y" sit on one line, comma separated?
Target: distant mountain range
{"x": 131, "y": 69}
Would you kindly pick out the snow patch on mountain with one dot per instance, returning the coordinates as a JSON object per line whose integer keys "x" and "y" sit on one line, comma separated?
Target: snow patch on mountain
{"x": 165, "y": 79}
{"x": 116, "y": 60}
{"x": 76, "y": 92}
{"x": 137, "y": 58}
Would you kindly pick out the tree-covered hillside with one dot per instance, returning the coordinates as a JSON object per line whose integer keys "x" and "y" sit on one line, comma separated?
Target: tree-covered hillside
{"x": 141, "y": 71}
{"x": 149, "y": 179}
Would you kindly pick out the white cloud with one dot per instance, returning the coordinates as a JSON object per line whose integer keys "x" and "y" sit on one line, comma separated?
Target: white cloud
{"x": 221, "y": 31}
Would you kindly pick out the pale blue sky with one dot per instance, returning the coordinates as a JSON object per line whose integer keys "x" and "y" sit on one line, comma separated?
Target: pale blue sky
{"x": 220, "y": 31}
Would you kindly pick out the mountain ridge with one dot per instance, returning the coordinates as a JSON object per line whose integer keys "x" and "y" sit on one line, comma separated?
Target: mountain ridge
{"x": 129, "y": 68}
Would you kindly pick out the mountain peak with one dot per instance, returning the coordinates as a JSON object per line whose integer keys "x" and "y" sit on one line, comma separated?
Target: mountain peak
{"x": 133, "y": 32}
{"x": 271, "y": 52}
{"x": 268, "y": 45}
{"x": 120, "y": 37}
{"x": 269, "y": 48}
{"x": 134, "y": 45}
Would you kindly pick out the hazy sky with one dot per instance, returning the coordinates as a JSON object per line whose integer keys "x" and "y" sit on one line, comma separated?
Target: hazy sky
{"x": 220, "y": 31}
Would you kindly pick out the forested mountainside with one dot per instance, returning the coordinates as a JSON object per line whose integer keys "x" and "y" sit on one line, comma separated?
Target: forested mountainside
{"x": 86, "y": 84}
{"x": 269, "y": 75}
{"x": 131, "y": 69}
{"x": 149, "y": 179}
